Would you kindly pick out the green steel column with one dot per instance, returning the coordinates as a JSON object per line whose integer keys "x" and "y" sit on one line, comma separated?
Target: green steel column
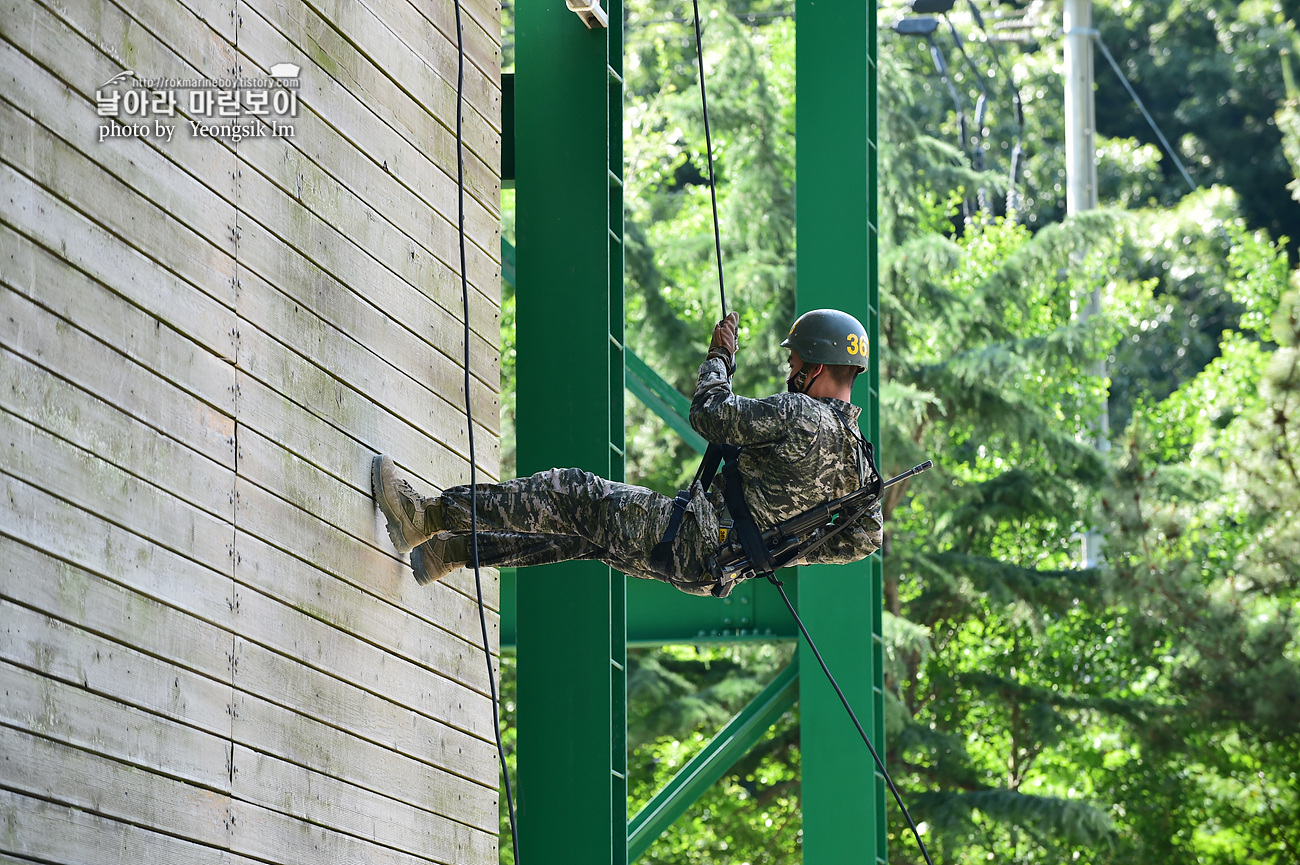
{"x": 843, "y": 798}
{"x": 569, "y": 265}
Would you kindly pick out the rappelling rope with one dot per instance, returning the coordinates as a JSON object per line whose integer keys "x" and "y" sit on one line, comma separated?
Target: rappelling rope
{"x": 880, "y": 764}
{"x": 708, "y": 146}
{"x": 469, "y": 420}
{"x": 780, "y": 587}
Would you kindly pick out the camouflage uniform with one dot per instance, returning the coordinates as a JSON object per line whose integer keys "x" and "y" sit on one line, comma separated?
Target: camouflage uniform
{"x": 797, "y": 454}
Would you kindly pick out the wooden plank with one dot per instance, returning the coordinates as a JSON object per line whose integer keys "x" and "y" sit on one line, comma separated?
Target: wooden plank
{"x": 130, "y": 678}
{"x": 350, "y": 511}
{"x": 198, "y": 260}
{"x": 54, "y": 833}
{"x": 43, "y": 218}
{"x": 430, "y": 174}
{"x": 347, "y": 242}
{"x": 102, "y": 786}
{"x": 145, "y": 169}
{"x": 419, "y": 624}
{"x": 397, "y": 29}
{"x": 80, "y": 779}
{"x": 47, "y": 341}
{"x": 57, "y": 84}
{"x": 322, "y": 365}
{"x": 421, "y": 378}
{"x": 107, "y": 491}
{"x": 43, "y": 278}
{"x": 269, "y": 35}
{"x": 198, "y": 652}
{"x": 300, "y": 740}
{"x": 271, "y": 836}
{"x": 100, "y": 428}
{"x": 364, "y": 665}
{"x": 330, "y": 175}
{"x": 198, "y": 41}
{"x": 65, "y": 652}
{"x": 389, "y": 723}
{"x": 70, "y": 715}
{"x": 339, "y": 455}
{"x": 46, "y": 523}
{"x": 484, "y": 15}
{"x": 482, "y": 31}
{"x": 324, "y": 801}
{"x": 195, "y": 160}
{"x": 391, "y": 424}
{"x": 6, "y": 859}
{"x": 324, "y": 547}
{"x": 363, "y": 52}
{"x": 107, "y": 28}
{"x": 217, "y": 14}
{"x": 200, "y": 655}
{"x": 50, "y": 116}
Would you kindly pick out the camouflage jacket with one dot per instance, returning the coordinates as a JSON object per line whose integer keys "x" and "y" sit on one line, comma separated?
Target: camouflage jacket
{"x": 797, "y": 454}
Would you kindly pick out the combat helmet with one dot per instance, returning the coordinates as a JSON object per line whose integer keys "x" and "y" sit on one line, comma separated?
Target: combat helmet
{"x": 831, "y": 337}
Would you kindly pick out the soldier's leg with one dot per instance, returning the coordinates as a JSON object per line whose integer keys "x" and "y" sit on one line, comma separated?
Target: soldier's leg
{"x": 617, "y": 518}
{"x": 581, "y": 515}
{"x": 556, "y": 502}
{"x": 567, "y": 514}
{"x": 442, "y": 554}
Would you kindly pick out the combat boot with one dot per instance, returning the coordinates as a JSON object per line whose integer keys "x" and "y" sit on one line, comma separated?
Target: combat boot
{"x": 412, "y": 518}
{"x": 439, "y": 556}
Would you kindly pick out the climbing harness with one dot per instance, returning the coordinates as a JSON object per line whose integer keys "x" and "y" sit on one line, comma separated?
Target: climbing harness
{"x": 469, "y": 420}
{"x": 810, "y": 530}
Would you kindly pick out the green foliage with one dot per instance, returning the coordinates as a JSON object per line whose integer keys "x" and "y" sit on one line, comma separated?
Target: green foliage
{"x": 1210, "y": 73}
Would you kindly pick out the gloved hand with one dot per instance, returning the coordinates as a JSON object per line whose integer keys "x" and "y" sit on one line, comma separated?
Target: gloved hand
{"x": 723, "y": 344}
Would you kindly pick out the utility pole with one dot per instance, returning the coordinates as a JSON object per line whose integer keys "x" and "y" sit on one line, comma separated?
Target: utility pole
{"x": 1080, "y": 114}
{"x": 1081, "y": 187}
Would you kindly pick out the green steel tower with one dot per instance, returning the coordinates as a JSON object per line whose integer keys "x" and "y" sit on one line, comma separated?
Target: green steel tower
{"x": 570, "y": 622}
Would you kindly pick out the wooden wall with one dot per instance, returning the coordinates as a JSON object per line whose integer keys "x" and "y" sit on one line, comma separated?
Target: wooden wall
{"x": 209, "y": 650}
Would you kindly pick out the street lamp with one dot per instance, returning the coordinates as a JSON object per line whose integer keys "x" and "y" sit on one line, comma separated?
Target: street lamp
{"x": 925, "y": 26}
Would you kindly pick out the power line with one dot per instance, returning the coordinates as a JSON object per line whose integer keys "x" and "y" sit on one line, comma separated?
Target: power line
{"x": 1096, "y": 35}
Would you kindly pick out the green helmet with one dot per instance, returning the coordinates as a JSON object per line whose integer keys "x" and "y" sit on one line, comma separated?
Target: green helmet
{"x": 831, "y": 337}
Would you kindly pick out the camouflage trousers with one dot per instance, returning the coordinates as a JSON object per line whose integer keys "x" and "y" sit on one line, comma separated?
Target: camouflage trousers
{"x": 566, "y": 514}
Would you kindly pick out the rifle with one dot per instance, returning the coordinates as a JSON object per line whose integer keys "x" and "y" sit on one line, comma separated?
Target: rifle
{"x": 793, "y": 539}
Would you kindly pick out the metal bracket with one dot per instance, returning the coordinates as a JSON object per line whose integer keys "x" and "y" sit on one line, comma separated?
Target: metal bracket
{"x": 590, "y": 12}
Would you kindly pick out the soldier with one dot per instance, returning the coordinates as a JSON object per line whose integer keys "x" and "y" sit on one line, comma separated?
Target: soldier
{"x": 799, "y": 449}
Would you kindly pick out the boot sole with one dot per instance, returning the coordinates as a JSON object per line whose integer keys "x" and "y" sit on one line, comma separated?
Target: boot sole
{"x": 420, "y": 570}
{"x": 417, "y": 567}
{"x": 391, "y": 522}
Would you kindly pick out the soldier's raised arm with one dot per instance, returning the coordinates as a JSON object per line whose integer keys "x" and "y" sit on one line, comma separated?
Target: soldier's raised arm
{"x": 723, "y": 417}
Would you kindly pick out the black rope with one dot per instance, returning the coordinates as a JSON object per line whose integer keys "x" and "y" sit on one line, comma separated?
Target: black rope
{"x": 469, "y": 419}
{"x": 880, "y": 764}
{"x": 708, "y": 144}
{"x": 780, "y": 587}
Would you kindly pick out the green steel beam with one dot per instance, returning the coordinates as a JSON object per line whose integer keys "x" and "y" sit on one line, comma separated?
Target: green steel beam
{"x": 507, "y": 261}
{"x": 646, "y": 385}
{"x": 572, "y": 698}
{"x": 659, "y": 615}
{"x": 842, "y": 796}
{"x": 663, "y": 399}
{"x": 700, "y": 773}
{"x": 508, "y": 132}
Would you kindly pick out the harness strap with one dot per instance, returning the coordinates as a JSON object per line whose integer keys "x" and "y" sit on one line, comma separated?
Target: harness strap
{"x": 661, "y": 553}
{"x": 751, "y": 537}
